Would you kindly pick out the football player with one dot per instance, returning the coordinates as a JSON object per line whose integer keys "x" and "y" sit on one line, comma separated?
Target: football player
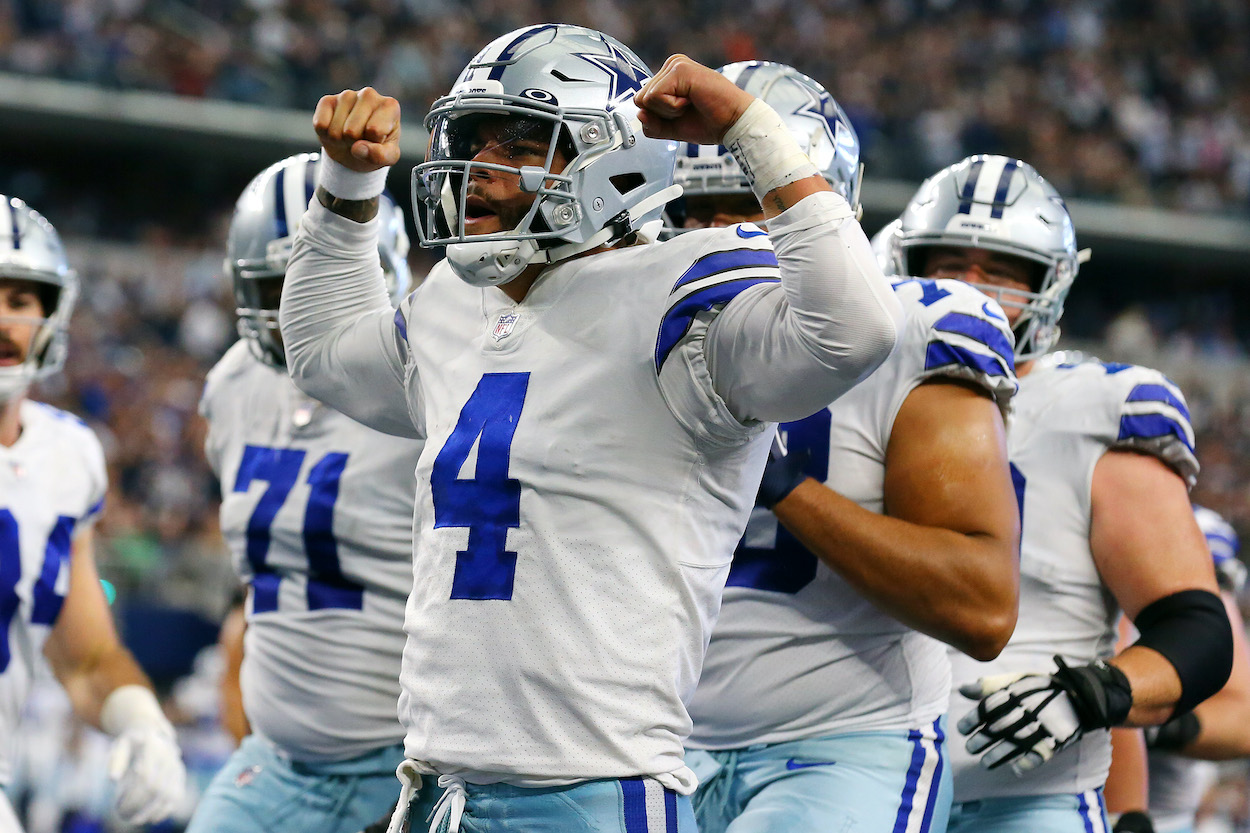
{"x": 317, "y": 511}
{"x": 52, "y": 486}
{"x": 1179, "y": 750}
{"x": 597, "y": 410}
{"x": 1102, "y": 458}
{"x": 889, "y": 527}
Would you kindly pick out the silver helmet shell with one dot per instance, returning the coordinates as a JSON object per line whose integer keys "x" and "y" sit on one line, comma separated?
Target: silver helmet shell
{"x": 817, "y": 122}
{"x": 31, "y": 250}
{"x": 258, "y": 248}
{"x": 1003, "y": 205}
{"x": 579, "y": 84}
{"x": 885, "y": 250}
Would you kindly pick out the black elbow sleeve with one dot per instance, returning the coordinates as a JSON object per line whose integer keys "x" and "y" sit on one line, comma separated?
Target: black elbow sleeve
{"x": 1191, "y": 630}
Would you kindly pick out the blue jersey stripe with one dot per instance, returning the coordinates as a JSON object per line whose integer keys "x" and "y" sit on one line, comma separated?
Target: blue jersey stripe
{"x": 935, "y": 785}
{"x": 401, "y": 325}
{"x": 47, "y": 603}
{"x": 970, "y": 188}
{"x": 943, "y": 353}
{"x": 670, "y": 811}
{"x": 1004, "y": 185}
{"x": 709, "y": 265}
{"x": 677, "y": 320}
{"x": 279, "y": 203}
{"x": 634, "y": 804}
{"x": 1151, "y": 426}
{"x": 95, "y": 509}
{"x": 978, "y": 329}
{"x": 909, "y": 787}
{"x": 1158, "y": 393}
{"x": 1223, "y": 543}
{"x": 265, "y": 592}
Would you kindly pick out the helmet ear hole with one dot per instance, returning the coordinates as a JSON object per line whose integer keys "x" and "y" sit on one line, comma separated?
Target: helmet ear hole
{"x": 624, "y": 183}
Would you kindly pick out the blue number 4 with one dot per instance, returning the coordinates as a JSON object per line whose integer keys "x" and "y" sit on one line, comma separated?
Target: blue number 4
{"x": 280, "y": 468}
{"x": 45, "y": 601}
{"x": 489, "y": 503}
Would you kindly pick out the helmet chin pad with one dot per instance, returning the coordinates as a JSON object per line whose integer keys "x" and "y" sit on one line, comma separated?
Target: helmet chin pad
{"x": 491, "y": 262}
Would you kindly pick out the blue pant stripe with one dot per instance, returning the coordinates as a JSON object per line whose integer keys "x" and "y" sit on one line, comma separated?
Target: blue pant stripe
{"x": 670, "y": 811}
{"x": 1083, "y": 804}
{"x": 913, "y": 778}
{"x": 936, "y": 782}
{"x": 634, "y": 805}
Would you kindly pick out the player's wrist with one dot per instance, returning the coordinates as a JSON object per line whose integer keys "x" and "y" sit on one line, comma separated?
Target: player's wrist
{"x": 766, "y": 151}
{"x": 1101, "y": 694}
{"x": 132, "y": 707}
{"x": 344, "y": 183}
{"x": 1176, "y": 734}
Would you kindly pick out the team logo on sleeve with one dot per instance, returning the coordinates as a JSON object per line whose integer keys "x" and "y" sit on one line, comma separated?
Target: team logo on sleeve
{"x": 504, "y": 325}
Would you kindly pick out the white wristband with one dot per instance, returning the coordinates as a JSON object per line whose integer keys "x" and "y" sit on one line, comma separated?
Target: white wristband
{"x": 763, "y": 147}
{"x": 129, "y": 707}
{"x": 346, "y": 184}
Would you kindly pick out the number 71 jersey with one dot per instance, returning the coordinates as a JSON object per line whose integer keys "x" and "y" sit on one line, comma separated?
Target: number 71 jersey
{"x": 52, "y": 485}
{"x": 317, "y": 512}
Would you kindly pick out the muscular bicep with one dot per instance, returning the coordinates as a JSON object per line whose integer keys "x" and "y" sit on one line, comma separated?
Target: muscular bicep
{"x": 1143, "y": 536}
{"x": 946, "y": 463}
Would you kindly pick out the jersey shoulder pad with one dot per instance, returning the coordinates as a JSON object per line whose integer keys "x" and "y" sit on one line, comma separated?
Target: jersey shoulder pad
{"x": 1148, "y": 412}
{"x": 1223, "y": 543}
{"x": 955, "y": 331}
{"x": 712, "y": 267}
{"x": 236, "y": 362}
{"x": 79, "y": 446}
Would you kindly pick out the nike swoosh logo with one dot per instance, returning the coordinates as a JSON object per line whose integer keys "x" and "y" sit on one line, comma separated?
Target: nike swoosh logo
{"x": 793, "y": 764}
{"x": 745, "y": 235}
{"x": 985, "y": 308}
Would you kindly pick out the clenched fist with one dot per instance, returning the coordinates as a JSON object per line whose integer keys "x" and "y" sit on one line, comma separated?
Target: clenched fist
{"x": 689, "y": 102}
{"x": 359, "y": 129}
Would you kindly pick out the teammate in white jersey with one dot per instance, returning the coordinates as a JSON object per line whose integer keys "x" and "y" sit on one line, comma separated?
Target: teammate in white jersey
{"x": 1102, "y": 457}
{"x": 597, "y": 413}
{"x": 821, "y": 698}
{"x": 317, "y": 511}
{"x": 52, "y": 485}
{"x": 1180, "y": 750}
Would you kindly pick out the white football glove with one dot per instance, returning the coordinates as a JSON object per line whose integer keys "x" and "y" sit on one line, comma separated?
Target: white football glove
{"x": 145, "y": 762}
{"x": 1024, "y": 719}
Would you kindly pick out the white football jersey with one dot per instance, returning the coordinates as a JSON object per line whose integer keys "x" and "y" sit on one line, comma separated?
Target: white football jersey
{"x": 563, "y": 599}
{"x": 797, "y": 653}
{"x": 52, "y": 485}
{"x": 1068, "y": 413}
{"x": 317, "y": 512}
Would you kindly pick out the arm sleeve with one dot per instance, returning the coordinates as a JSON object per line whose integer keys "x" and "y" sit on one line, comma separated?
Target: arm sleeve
{"x": 783, "y": 351}
{"x": 338, "y": 326}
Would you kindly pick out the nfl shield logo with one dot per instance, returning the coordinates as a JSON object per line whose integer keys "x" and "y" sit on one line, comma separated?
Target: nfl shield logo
{"x": 504, "y": 325}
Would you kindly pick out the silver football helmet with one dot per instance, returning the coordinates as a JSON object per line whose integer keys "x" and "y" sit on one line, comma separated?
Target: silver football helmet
{"x": 1004, "y": 205}
{"x": 31, "y": 250}
{"x": 576, "y": 87}
{"x": 817, "y": 122}
{"x": 884, "y": 249}
{"x": 258, "y": 248}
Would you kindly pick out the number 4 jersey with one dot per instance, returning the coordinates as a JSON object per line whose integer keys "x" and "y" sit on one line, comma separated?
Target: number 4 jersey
{"x": 317, "y": 511}
{"x": 52, "y": 485}
{"x": 797, "y": 653}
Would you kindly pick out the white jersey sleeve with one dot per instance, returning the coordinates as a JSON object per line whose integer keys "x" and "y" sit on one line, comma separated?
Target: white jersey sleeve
{"x": 796, "y": 652}
{"x": 52, "y": 485}
{"x": 1152, "y": 418}
{"x": 344, "y": 343}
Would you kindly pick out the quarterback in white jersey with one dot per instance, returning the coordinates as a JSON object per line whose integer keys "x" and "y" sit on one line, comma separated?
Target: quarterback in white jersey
{"x": 1102, "y": 456}
{"x": 317, "y": 511}
{"x": 52, "y": 486}
{"x": 597, "y": 410}
{"x": 1180, "y": 751}
{"x": 822, "y": 696}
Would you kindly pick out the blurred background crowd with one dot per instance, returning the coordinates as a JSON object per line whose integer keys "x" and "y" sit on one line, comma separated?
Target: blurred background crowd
{"x": 1133, "y": 102}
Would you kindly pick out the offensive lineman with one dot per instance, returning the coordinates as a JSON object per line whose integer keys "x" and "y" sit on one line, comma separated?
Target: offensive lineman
{"x": 52, "y": 486}
{"x": 596, "y": 413}
{"x": 892, "y": 517}
{"x": 1102, "y": 456}
{"x": 317, "y": 510}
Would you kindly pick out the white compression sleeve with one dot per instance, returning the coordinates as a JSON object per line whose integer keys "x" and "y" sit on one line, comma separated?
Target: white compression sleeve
{"x": 780, "y": 353}
{"x": 338, "y": 325}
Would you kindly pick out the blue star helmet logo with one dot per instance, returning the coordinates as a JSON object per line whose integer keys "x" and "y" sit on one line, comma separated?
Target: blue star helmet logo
{"x": 820, "y": 106}
{"x": 625, "y": 74}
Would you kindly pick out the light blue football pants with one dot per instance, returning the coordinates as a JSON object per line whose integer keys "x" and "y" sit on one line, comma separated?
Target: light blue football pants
{"x": 261, "y": 790}
{"x": 1072, "y": 813}
{"x": 627, "y": 805}
{"x": 867, "y": 782}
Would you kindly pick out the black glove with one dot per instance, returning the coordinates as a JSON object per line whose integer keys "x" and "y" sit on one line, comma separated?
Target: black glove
{"x": 1174, "y": 735}
{"x": 1134, "y": 821}
{"x": 781, "y": 476}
